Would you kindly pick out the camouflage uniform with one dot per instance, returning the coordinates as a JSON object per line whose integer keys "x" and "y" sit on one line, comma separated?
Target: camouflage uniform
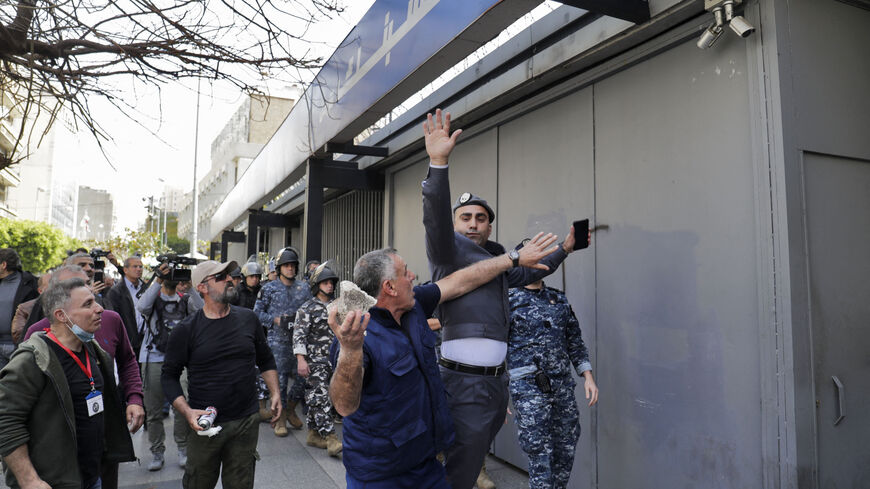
{"x": 545, "y": 336}
{"x": 312, "y": 337}
{"x": 277, "y": 299}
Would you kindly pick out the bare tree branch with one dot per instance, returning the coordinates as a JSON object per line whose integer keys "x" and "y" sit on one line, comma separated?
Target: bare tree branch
{"x": 56, "y": 54}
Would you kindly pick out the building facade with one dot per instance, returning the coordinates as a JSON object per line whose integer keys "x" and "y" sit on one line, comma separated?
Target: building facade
{"x": 724, "y": 306}
{"x": 96, "y": 214}
{"x": 232, "y": 151}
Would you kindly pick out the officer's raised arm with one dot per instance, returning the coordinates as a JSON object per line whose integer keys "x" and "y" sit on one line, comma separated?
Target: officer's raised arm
{"x": 437, "y": 214}
{"x": 473, "y": 276}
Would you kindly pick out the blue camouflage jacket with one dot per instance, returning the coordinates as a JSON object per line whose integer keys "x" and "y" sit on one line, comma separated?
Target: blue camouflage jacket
{"x": 544, "y": 334}
{"x": 277, "y": 299}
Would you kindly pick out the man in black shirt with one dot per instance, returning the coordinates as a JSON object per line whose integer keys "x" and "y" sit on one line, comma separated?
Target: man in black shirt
{"x": 221, "y": 346}
{"x": 55, "y": 378}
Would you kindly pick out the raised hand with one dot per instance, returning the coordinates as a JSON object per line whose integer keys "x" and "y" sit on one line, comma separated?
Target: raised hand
{"x": 351, "y": 332}
{"x": 439, "y": 141}
{"x": 536, "y": 249}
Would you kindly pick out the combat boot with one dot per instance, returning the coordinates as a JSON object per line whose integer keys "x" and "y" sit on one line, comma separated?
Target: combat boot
{"x": 265, "y": 412}
{"x": 315, "y": 440}
{"x": 333, "y": 445}
{"x": 483, "y": 480}
{"x": 281, "y": 427}
{"x": 294, "y": 420}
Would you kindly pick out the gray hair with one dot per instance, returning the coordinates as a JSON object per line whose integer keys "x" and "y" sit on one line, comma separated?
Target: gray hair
{"x": 55, "y": 275}
{"x": 129, "y": 259}
{"x": 70, "y": 259}
{"x": 373, "y": 268}
{"x": 57, "y": 295}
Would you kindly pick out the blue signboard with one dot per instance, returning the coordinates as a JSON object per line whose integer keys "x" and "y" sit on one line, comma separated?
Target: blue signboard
{"x": 393, "y": 39}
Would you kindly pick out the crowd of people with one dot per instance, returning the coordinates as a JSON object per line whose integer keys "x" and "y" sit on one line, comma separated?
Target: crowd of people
{"x": 85, "y": 363}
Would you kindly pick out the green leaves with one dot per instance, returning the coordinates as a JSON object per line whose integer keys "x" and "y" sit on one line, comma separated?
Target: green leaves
{"x": 40, "y": 245}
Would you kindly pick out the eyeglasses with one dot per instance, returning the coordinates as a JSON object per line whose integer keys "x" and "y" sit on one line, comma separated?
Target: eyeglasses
{"x": 220, "y": 277}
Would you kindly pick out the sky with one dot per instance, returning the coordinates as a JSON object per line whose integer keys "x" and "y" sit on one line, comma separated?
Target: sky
{"x": 159, "y": 144}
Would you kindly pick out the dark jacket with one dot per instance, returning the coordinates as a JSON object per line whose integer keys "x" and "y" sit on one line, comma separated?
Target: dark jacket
{"x": 483, "y": 312}
{"x": 248, "y": 295}
{"x": 120, "y": 301}
{"x": 36, "y": 409}
{"x": 27, "y": 290}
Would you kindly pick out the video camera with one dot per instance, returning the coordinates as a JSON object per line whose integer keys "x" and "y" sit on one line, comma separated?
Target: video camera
{"x": 99, "y": 265}
{"x": 175, "y": 262}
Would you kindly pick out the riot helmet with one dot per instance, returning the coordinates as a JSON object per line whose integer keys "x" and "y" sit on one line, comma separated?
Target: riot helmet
{"x": 287, "y": 255}
{"x": 321, "y": 274}
{"x": 252, "y": 268}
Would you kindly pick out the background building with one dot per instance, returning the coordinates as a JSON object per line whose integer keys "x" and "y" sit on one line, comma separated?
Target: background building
{"x": 95, "y": 214}
{"x": 10, "y": 120}
{"x": 232, "y": 151}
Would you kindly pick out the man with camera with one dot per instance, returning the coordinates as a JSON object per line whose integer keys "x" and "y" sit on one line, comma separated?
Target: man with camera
{"x": 124, "y": 297}
{"x": 164, "y": 308}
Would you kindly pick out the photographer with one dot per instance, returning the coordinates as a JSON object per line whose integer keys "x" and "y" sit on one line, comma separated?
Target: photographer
{"x": 164, "y": 308}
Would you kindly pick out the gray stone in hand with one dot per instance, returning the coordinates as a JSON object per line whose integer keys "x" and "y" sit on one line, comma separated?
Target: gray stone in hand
{"x": 351, "y": 299}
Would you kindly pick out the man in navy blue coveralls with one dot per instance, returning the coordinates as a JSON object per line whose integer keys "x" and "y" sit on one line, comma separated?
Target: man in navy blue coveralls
{"x": 386, "y": 382}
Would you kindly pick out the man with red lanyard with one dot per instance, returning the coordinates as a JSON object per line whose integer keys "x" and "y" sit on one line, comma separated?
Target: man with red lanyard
{"x": 60, "y": 410}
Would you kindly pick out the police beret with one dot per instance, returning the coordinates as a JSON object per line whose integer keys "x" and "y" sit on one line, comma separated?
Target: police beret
{"x": 471, "y": 199}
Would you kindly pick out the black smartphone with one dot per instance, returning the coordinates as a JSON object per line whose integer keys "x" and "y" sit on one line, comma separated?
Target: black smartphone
{"x": 98, "y": 276}
{"x": 581, "y": 234}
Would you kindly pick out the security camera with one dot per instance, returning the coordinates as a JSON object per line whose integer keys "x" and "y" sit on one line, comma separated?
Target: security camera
{"x": 737, "y": 23}
{"x": 710, "y": 36}
{"x": 741, "y": 27}
{"x": 714, "y": 31}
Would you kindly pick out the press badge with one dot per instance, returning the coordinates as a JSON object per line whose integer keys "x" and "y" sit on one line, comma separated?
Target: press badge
{"x": 95, "y": 403}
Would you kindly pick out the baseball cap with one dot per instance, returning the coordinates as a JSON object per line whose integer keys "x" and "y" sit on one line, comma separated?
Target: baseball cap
{"x": 210, "y": 267}
{"x": 470, "y": 199}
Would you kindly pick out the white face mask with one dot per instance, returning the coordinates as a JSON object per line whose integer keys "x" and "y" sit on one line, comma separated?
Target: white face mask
{"x": 81, "y": 334}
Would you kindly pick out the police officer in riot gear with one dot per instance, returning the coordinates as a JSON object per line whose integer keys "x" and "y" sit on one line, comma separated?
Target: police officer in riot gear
{"x": 276, "y": 307}
{"x": 250, "y": 286}
{"x": 311, "y": 340}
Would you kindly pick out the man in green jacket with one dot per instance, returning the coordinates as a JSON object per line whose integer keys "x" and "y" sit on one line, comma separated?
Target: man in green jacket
{"x": 60, "y": 412}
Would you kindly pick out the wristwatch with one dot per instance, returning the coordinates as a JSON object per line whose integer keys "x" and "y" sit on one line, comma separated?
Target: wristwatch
{"x": 514, "y": 255}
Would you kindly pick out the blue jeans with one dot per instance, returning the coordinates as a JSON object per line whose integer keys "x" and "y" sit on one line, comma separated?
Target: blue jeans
{"x": 97, "y": 484}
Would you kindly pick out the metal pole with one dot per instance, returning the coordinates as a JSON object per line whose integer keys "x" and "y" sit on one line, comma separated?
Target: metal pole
{"x": 163, "y": 242}
{"x": 195, "y": 183}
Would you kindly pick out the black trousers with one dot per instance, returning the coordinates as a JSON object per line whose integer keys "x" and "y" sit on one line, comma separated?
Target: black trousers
{"x": 478, "y": 405}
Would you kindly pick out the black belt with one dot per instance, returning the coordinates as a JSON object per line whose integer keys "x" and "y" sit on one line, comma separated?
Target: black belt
{"x": 472, "y": 369}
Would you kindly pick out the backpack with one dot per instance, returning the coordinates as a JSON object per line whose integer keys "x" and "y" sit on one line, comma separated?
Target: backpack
{"x": 169, "y": 313}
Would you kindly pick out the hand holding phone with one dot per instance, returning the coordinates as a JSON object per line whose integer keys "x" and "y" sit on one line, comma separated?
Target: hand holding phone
{"x": 581, "y": 234}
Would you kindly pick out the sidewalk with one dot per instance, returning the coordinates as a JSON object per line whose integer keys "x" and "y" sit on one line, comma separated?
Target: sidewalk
{"x": 284, "y": 463}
